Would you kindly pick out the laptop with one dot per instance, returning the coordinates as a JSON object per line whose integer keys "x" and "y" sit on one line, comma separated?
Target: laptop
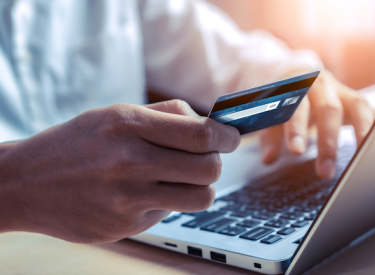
{"x": 280, "y": 218}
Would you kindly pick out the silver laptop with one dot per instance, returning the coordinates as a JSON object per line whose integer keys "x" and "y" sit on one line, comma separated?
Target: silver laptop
{"x": 275, "y": 221}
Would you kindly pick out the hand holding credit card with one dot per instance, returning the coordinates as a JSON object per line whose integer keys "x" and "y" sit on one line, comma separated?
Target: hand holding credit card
{"x": 263, "y": 106}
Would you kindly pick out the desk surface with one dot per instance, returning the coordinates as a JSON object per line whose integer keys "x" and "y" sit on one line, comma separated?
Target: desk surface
{"x": 26, "y": 253}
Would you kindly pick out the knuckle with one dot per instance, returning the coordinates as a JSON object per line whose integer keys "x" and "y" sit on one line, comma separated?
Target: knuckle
{"x": 202, "y": 136}
{"x": 127, "y": 162}
{"x": 180, "y": 104}
{"x": 328, "y": 147}
{"x": 129, "y": 200}
{"x": 176, "y": 106}
{"x": 206, "y": 198}
{"x": 121, "y": 118}
{"x": 119, "y": 203}
{"x": 235, "y": 141}
{"x": 213, "y": 167}
{"x": 359, "y": 101}
{"x": 331, "y": 109}
{"x": 117, "y": 112}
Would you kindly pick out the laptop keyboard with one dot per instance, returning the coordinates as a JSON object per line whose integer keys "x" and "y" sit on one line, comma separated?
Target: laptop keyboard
{"x": 272, "y": 208}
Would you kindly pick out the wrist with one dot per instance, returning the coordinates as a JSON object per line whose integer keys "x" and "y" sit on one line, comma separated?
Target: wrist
{"x": 10, "y": 208}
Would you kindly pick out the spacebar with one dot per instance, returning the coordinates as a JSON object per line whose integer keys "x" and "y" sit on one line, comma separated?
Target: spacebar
{"x": 203, "y": 219}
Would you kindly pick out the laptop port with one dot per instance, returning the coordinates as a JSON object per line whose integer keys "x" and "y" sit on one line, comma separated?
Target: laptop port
{"x": 171, "y": 244}
{"x": 218, "y": 257}
{"x": 194, "y": 251}
{"x": 256, "y": 265}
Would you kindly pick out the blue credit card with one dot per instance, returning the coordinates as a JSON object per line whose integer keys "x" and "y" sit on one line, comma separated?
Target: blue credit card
{"x": 264, "y": 106}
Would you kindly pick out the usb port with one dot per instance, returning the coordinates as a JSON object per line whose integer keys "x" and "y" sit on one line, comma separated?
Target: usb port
{"x": 171, "y": 244}
{"x": 194, "y": 251}
{"x": 218, "y": 257}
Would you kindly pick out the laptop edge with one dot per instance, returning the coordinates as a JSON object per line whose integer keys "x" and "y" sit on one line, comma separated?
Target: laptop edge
{"x": 347, "y": 214}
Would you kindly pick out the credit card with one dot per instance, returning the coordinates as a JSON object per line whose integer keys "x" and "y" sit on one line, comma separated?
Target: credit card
{"x": 263, "y": 106}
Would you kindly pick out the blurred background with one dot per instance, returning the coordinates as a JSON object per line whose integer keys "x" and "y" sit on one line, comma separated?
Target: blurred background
{"x": 342, "y": 32}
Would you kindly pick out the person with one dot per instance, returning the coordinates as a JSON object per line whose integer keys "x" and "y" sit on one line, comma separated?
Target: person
{"x": 83, "y": 160}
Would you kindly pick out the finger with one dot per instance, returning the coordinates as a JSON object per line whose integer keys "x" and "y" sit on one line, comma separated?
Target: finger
{"x": 358, "y": 112}
{"x": 270, "y": 143}
{"x": 329, "y": 117}
{"x": 168, "y": 165}
{"x": 182, "y": 197}
{"x": 192, "y": 134}
{"x": 175, "y": 106}
{"x": 296, "y": 129}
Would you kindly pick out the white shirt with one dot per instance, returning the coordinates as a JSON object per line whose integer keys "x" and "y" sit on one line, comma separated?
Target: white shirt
{"x": 60, "y": 58}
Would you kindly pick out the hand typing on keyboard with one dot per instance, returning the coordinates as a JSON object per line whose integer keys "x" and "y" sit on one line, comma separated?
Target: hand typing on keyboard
{"x": 329, "y": 104}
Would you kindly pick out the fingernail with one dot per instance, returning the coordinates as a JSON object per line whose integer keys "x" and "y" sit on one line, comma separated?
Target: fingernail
{"x": 327, "y": 168}
{"x": 298, "y": 144}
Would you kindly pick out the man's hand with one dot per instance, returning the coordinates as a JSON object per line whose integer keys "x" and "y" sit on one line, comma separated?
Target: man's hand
{"x": 329, "y": 105}
{"x": 112, "y": 172}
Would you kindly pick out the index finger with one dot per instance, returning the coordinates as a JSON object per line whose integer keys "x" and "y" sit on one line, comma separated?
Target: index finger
{"x": 174, "y": 106}
{"x": 192, "y": 134}
{"x": 358, "y": 111}
{"x": 329, "y": 117}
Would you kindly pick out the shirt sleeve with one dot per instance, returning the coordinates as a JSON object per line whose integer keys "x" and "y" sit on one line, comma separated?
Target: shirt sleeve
{"x": 195, "y": 52}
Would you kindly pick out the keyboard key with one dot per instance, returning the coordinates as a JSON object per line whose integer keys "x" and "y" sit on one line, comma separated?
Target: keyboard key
{"x": 203, "y": 219}
{"x": 306, "y": 208}
{"x": 277, "y": 223}
{"x": 256, "y": 233}
{"x": 227, "y": 198}
{"x": 310, "y": 217}
{"x": 214, "y": 226}
{"x": 195, "y": 214}
{"x": 315, "y": 203}
{"x": 263, "y": 215}
{"x": 292, "y": 215}
{"x": 244, "y": 199}
{"x": 232, "y": 230}
{"x": 241, "y": 214}
{"x": 271, "y": 239}
{"x": 232, "y": 207}
{"x": 286, "y": 231}
{"x": 255, "y": 207}
{"x": 300, "y": 224}
{"x": 278, "y": 208}
{"x": 224, "y": 210}
{"x": 171, "y": 219}
{"x": 248, "y": 223}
